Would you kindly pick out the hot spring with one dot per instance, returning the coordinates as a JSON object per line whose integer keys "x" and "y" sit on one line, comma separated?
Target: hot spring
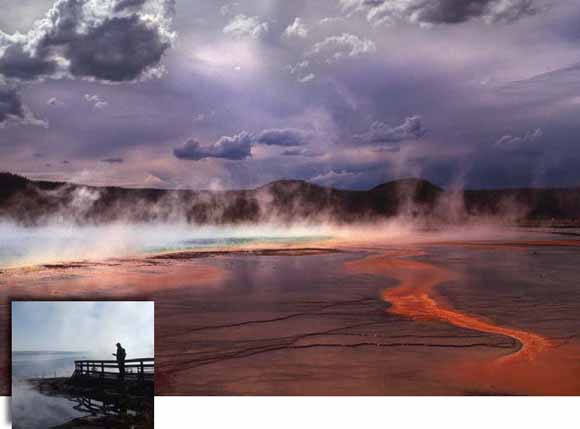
{"x": 66, "y": 242}
{"x": 20, "y": 246}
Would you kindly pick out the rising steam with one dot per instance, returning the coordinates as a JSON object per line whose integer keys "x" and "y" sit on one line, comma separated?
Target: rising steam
{"x": 50, "y": 222}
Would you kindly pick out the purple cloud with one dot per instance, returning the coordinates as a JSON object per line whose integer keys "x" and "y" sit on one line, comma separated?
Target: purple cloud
{"x": 380, "y": 133}
{"x": 233, "y": 148}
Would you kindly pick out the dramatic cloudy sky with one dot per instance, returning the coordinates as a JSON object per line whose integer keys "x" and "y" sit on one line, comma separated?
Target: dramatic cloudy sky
{"x": 349, "y": 93}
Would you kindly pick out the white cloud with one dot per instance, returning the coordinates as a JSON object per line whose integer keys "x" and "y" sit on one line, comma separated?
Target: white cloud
{"x": 53, "y": 101}
{"x": 509, "y": 142}
{"x": 345, "y": 45}
{"x": 297, "y": 29}
{"x": 307, "y": 78}
{"x": 96, "y": 101}
{"x": 333, "y": 177}
{"x": 331, "y": 20}
{"x": 247, "y": 26}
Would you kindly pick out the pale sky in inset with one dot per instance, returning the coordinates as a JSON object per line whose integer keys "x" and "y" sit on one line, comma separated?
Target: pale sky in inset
{"x": 93, "y": 327}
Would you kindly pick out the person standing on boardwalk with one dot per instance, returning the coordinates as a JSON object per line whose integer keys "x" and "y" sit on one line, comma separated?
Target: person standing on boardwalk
{"x": 121, "y": 360}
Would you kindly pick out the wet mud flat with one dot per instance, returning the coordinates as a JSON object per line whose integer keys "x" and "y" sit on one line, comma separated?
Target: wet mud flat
{"x": 451, "y": 318}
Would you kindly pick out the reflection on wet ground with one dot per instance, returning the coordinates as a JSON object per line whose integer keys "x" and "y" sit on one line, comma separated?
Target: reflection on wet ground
{"x": 430, "y": 318}
{"x": 91, "y": 406}
{"x": 117, "y": 408}
{"x": 55, "y": 403}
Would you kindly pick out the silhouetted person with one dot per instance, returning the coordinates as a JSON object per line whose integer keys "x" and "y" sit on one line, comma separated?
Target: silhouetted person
{"x": 121, "y": 360}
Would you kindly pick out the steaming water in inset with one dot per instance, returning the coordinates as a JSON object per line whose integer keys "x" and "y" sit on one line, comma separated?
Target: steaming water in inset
{"x": 65, "y": 242}
{"x": 28, "y": 364}
{"x": 31, "y": 409}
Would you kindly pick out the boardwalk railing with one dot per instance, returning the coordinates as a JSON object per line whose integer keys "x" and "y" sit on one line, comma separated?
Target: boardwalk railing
{"x": 135, "y": 369}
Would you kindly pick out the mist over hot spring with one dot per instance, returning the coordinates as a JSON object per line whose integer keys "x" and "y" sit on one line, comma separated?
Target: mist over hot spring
{"x": 55, "y": 242}
{"x": 44, "y": 222}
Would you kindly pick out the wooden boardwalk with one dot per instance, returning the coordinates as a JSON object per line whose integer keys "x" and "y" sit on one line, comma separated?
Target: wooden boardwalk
{"x": 136, "y": 370}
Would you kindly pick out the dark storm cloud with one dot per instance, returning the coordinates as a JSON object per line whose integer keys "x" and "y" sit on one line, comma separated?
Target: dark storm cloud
{"x": 293, "y": 152}
{"x": 17, "y": 63}
{"x": 300, "y": 151}
{"x": 440, "y": 11}
{"x": 380, "y": 133}
{"x": 233, "y": 148}
{"x": 10, "y": 105}
{"x": 120, "y": 49}
{"x": 94, "y": 46}
{"x": 76, "y": 39}
{"x": 13, "y": 110}
{"x": 456, "y": 11}
{"x": 113, "y": 160}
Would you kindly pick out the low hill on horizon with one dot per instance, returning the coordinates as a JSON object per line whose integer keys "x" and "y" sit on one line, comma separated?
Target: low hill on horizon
{"x": 32, "y": 202}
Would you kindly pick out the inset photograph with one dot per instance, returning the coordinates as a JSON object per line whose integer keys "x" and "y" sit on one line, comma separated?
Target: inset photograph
{"x": 82, "y": 364}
